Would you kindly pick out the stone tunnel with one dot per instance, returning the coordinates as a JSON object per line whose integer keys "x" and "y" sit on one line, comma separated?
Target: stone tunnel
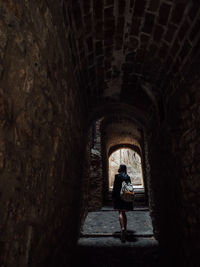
{"x": 94, "y": 75}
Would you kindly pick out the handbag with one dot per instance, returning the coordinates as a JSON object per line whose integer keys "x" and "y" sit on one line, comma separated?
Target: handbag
{"x": 127, "y": 192}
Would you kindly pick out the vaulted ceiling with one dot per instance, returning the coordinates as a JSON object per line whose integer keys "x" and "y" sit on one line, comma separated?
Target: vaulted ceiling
{"x": 132, "y": 52}
{"x": 120, "y": 131}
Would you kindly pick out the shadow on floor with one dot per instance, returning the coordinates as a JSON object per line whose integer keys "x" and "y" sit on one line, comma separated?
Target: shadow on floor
{"x": 116, "y": 256}
{"x": 129, "y": 237}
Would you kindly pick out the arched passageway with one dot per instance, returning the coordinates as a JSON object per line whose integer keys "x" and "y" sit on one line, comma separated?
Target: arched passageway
{"x": 63, "y": 66}
{"x": 133, "y": 162}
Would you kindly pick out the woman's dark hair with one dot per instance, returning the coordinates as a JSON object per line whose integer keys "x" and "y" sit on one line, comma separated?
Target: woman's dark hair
{"x": 122, "y": 168}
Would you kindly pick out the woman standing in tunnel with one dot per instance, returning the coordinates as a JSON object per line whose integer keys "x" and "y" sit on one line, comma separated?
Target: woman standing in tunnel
{"x": 119, "y": 204}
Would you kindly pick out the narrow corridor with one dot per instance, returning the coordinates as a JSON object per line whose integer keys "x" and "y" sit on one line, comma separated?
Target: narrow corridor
{"x": 81, "y": 80}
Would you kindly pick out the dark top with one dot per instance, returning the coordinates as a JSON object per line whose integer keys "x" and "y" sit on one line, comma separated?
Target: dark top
{"x": 118, "y": 202}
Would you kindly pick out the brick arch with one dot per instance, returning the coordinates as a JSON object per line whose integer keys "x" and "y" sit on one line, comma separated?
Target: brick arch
{"x": 121, "y": 110}
{"x": 119, "y": 131}
{"x": 119, "y": 146}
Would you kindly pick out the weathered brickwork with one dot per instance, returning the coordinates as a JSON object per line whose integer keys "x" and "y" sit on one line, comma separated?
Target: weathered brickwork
{"x": 85, "y": 184}
{"x": 188, "y": 141}
{"x": 64, "y": 64}
{"x": 147, "y": 176}
{"x": 127, "y": 43}
{"x": 40, "y": 134}
{"x": 95, "y": 196}
{"x": 175, "y": 176}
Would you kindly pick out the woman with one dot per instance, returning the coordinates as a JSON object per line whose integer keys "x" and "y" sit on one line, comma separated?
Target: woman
{"x": 119, "y": 204}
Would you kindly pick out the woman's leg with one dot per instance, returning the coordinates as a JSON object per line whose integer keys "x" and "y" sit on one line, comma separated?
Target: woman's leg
{"x": 124, "y": 219}
{"x": 121, "y": 220}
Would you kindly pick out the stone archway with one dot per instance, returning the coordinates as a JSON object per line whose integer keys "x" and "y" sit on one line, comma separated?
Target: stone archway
{"x": 132, "y": 160}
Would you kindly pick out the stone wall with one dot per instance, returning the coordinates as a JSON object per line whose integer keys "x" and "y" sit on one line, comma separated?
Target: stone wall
{"x": 146, "y": 170}
{"x": 175, "y": 172}
{"x": 41, "y": 128}
{"x": 95, "y": 176}
{"x": 58, "y": 59}
{"x": 188, "y": 148}
{"x": 85, "y": 185}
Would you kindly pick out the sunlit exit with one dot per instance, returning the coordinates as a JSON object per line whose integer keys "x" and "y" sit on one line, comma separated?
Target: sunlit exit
{"x": 134, "y": 167}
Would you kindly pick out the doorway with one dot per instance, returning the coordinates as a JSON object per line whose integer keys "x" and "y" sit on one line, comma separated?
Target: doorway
{"x": 132, "y": 160}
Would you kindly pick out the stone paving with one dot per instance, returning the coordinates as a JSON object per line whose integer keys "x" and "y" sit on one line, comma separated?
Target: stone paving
{"x": 106, "y": 221}
{"x": 100, "y": 244}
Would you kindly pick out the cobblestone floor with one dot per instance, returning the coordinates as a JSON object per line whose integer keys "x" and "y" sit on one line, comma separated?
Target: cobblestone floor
{"x": 100, "y": 243}
{"x": 106, "y": 221}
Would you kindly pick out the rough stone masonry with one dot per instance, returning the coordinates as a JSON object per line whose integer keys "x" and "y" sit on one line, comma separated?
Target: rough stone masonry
{"x": 66, "y": 64}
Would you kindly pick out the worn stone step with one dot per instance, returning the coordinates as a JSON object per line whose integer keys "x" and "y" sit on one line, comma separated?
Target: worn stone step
{"x": 113, "y": 235}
